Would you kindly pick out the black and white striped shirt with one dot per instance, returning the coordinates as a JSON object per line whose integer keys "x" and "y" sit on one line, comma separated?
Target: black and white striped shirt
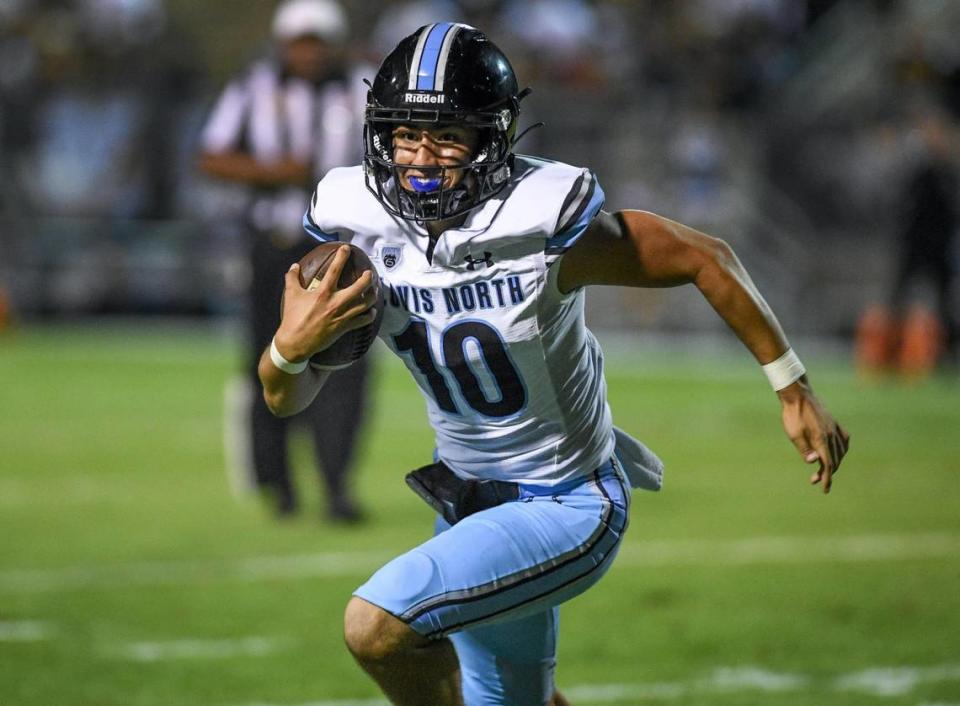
{"x": 271, "y": 116}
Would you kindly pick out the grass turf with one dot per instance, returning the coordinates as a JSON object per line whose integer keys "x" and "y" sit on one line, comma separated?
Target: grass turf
{"x": 130, "y": 576}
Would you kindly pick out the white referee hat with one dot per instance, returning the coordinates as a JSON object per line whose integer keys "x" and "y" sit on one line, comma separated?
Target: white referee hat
{"x": 318, "y": 18}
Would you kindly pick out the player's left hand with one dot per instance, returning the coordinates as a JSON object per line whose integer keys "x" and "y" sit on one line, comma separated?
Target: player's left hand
{"x": 813, "y": 431}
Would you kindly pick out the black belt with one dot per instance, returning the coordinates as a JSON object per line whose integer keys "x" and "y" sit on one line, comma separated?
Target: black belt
{"x": 456, "y": 498}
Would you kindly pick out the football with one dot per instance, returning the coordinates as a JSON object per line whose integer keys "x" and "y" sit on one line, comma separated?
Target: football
{"x": 353, "y": 344}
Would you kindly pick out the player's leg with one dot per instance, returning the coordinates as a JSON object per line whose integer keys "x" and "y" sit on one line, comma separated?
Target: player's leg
{"x": 270, "y": 458}
{"x": 410, "y": 669}
{"x": 502, "y": 565}
{"x": 268, "y": 433}
{"x": 336, "y": 419}
{"x": 943, "y": 279}
{"x": 510, "y": 662}
{"x": 515, "y": 658}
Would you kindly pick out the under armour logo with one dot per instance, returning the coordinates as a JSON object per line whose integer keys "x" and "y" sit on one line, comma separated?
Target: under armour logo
{"x": 474, "y": 262}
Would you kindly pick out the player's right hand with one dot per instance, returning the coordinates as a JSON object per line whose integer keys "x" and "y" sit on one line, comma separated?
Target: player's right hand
{"x": 313, "y": 318}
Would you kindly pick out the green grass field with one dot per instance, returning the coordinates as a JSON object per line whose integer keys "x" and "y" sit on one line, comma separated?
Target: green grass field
{"x": 129, "y": 575}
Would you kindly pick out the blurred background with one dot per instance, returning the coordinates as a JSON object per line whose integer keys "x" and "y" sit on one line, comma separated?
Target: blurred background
{"x": 795, "y": 129}
{"x": 819, "y": 137}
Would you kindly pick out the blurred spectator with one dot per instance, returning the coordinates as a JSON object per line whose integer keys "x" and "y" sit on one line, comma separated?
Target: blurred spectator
{"x": 19, "y": 84}
{"x": 568, "y": 51}
{"x": 549, "y": 41}
{"x": 91, "y": 95}
{"x": 917, "y": 328}
{"x": 697, "y": 153}
{"x": 398, "y": 18}
{"x": 727, "y": 111}
{"x": 931, "y": 217}
{"x": 114, "y": 76}
{"x": 278, "y": 128}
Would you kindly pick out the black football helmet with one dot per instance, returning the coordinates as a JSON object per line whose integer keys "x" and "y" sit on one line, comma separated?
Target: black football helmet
{"x": 442, "y": 74}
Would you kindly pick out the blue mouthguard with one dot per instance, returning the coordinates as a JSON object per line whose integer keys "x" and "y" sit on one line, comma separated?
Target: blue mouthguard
{"x": 422, "y": 184}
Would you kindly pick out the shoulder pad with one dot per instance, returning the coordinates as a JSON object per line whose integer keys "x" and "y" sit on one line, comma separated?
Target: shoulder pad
{"x": 342, "y": 208}
{"x": 556, "y": 201}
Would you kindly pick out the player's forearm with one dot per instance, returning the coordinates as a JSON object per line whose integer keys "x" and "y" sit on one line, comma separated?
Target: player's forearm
{"x": 287, "y": 394}
{"x": 642, "y": 249}
{"x": 725, "y": 283}
{"x": 243, "y": 168}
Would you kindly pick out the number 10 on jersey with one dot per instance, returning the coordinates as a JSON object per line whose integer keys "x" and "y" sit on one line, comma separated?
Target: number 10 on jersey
{"x": 512, "y": 391}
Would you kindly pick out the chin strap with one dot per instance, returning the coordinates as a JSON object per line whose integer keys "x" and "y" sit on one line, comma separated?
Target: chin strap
{"x": 524, "y": 134}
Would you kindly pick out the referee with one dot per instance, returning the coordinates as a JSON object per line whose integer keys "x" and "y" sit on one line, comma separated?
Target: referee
{"x": 277, "y": 128}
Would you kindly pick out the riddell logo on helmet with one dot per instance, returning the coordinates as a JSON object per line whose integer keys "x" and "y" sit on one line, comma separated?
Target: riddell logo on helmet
{"x": 424, "y": 98}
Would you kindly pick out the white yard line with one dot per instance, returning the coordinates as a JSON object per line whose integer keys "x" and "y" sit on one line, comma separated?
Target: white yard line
{"x": 729, "y": 680}
{"x": 238, "y": 395}
{"x": 611, "y": 693}
{"x": 788, "y": 550}
{"x": 721, "y": 680}
{"x": 20, "y": 494}
{"x": 756, "y": 678}
{"x": 179, "y": 573}
{"x": 896, "y": 681}
{"x": 24, "y": 631}
{"x": 187, "y": 649}
{"x": 756, "y": 550}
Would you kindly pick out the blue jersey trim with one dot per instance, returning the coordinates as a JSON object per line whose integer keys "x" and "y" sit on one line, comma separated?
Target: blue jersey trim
{"x": 565, "y": 239}
{"x": 314, "y": 230}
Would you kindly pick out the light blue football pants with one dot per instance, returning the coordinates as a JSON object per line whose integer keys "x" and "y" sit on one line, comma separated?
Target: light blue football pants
{"x": 493, "y": 582}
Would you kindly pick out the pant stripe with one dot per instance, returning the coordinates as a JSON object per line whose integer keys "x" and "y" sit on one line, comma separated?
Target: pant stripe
{"x": 506, "y": 582}
{"x": 605, "y": 530}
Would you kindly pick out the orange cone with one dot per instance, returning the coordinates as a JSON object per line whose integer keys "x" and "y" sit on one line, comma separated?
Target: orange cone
{"x": 876, "y": 342}
{"x": 923, "y": 344}
{"x": 6, "y": 314}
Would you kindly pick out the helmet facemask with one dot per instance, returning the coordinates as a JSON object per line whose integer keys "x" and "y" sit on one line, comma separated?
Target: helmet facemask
{"x": 481, "y": 178}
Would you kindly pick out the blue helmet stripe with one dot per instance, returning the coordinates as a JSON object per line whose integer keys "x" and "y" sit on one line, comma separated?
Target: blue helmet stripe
{"x": 415, "y": 61}
{"x": 427, "y": 71}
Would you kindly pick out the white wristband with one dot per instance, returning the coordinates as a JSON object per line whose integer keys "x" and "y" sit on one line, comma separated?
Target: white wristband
{"x": 785, "y": 370}
{"x": 284, "y": 364}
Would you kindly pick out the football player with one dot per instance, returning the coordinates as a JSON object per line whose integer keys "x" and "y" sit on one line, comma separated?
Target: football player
{"x": 484, "y": 256}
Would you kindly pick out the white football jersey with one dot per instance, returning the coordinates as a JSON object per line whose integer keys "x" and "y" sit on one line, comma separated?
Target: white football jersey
{"x": 512, "y": 377}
